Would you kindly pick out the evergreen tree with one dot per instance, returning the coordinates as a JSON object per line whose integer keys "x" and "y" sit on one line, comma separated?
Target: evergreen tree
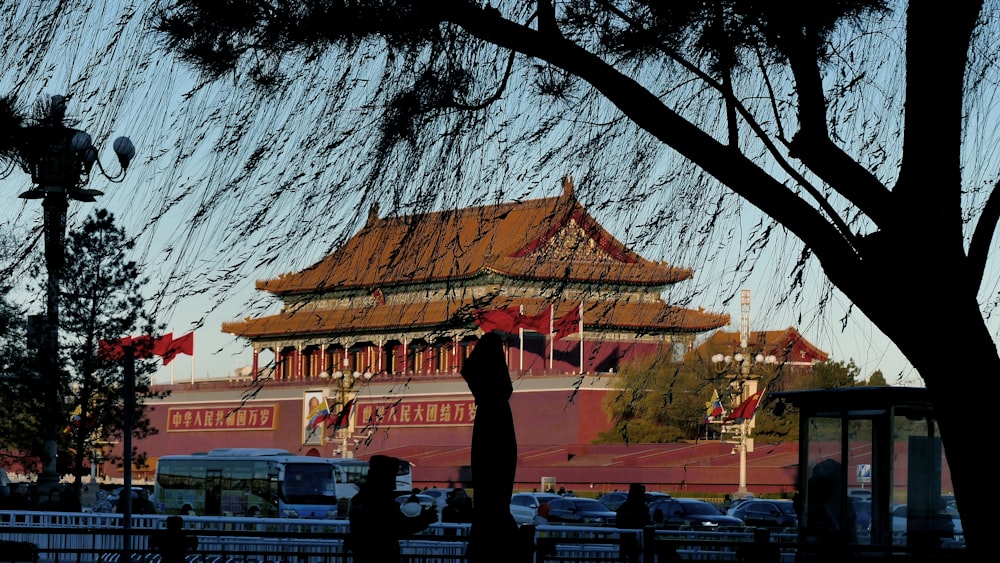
{"x": 19, "y": 425}
{"x": 102, "y": 300}
{"x": 656, "y": 400}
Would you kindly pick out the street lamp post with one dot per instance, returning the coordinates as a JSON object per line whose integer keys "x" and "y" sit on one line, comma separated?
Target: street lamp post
{"x": 345, "y": 388}
{"x": 744, "y": 385}
{"x": 59, "y": 159}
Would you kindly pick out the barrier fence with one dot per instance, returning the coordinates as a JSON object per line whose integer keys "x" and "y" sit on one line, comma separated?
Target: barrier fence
{"x": 103, "y": 538}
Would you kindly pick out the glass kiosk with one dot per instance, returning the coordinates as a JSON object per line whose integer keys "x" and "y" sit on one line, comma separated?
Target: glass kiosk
{"x": 873, "y": 478}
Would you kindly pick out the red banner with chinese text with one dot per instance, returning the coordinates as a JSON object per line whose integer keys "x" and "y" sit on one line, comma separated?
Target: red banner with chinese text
{"x": 201, "y": 419}
{"x": 415, "y": 413}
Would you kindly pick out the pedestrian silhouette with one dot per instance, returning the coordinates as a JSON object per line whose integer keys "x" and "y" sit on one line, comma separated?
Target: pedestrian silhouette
{"x": 458, "y": 509}
{"x": 54, "y": 503}
{"x": 173, "y": 543}
{"x": 633, "y": 514}
{"x": 494, "y": 534}
{"x": 377, "y": 521}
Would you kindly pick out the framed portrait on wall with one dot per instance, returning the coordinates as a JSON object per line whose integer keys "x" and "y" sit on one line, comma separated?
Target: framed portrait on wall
{"x": 314, "y": 410}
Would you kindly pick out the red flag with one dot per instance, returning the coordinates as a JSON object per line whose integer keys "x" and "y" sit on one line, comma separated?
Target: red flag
{"x": 539, "y": 322}
{"x": 567, "y": 324}
{"x": 746, "y": 409}
{"x": 342, "y": 418}
{"x": 162, "y": 344}
{"x": 143, "y": 347}
{"x": 182, "y": 345}
{"x": 111, "y": 350}
{"x": 378, "y": 296}
{"x": 497, "y": 319}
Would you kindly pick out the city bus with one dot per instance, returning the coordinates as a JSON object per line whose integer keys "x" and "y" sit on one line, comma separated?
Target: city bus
{"x": 265, "y": 482}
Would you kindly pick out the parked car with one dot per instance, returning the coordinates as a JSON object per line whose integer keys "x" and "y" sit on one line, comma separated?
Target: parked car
{"x": 947, "y": 524}
{"x": 862, "y": 515}
{"x": 522, "y": 514}
{"x": 615, "y": 499}
{"x": 692, "y": 512}
{"x": 579, "y": 510}
{"x": 767, "y": 513}
{"x": 864, "y": 494}
{"x": 532, "y": 500}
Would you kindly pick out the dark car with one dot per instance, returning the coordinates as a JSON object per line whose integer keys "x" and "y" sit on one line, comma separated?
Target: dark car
{"x": 615, "y": 499}
{"x": 577, "y": 510}
{"x": 862, "y": 515}
{"x": 691, "y": 512}
{"x": 767, "y": 513}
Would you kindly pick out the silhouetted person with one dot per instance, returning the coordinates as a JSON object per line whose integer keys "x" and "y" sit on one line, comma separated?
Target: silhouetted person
{"x": 173, "y": 543}
{"x": 494, "y": 534}
{"x": 377, "y": 521}
{"x": 54, "y": 503}
{"x": 458, "y": 509}
{"x": 141, "y": 503}
{"x": 633, "y": 514}
{"x": 830, "y": 520}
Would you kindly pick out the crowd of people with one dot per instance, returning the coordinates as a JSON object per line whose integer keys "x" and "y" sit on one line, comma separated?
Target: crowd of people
{"x": 64, "y": 499}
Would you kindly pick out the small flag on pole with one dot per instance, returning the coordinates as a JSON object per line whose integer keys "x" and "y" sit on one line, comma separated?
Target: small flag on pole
{"x": 567, "y": 324}
{"x": 714, "y": 407}
{"x": 182, "y": 345}
{"x": 746, "y": 409}
{"x": 539, "y": 322}
{"x": 505, "y": 320}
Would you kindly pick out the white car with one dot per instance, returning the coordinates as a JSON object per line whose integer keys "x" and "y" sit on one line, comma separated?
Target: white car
{"x": 899, "y": 517}
{"x": 522, "y": 514}
{"x": 531, "y": 501}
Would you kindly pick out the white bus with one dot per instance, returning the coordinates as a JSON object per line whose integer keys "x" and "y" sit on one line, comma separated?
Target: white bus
{"x": 265, "y": 482}
{"x": 352, "y": 472}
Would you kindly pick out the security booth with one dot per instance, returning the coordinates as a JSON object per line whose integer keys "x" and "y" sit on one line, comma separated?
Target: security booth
{"x": 872, "y": 474}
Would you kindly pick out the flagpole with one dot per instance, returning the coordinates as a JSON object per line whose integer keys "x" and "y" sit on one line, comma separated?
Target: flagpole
{"x": 520, "y": 341}
{"x": 192, "y": 369}
{"x": 552, "y": 338}
{"x": 581, "y": 336}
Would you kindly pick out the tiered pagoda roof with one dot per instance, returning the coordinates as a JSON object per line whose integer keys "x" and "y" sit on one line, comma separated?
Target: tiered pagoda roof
{"x": 371, "y": 284}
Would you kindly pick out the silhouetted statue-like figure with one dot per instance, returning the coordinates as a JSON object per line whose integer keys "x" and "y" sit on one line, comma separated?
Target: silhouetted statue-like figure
{"x": 494, "y": 535}
{"x": 174, "y": 543}
{"x": 377, "y": 521}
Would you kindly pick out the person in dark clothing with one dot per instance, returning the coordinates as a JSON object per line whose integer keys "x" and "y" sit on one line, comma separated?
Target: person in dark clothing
{"x": 633, "y": 514}
{"x": 173, "y": 543}
{"x": 54, "y": 503}
{"x": 494, "y": 534}
{"x": 377, "y": 523}
{"x": 458, "y": 509}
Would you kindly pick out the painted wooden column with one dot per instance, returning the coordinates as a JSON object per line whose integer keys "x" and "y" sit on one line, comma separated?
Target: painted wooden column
{"x": 255, "y": 373}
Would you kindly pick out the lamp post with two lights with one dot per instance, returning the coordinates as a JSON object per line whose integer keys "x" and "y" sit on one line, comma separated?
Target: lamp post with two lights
{"x": 60, "y": 160}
